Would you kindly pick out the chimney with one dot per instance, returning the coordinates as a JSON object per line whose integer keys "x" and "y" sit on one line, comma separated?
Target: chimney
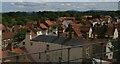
{"x": 115, "y": 36}
{"x": 70, "y": 30}
{"x": 56, "y": 31}
{"x": 70, "y": 34}
{"x": 46, "y": 33}
{"x": 38, "y": 22}
{"x": 28, "y": 34}
{"x": 60, "y": 30}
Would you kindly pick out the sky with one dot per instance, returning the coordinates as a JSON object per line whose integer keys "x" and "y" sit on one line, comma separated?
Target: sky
{"x": 57, "y": 5}
{"x": 59, "y": 0}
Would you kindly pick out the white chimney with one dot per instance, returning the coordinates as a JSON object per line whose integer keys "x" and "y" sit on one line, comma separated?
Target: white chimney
{"x": 56, "y": 31}
{"x": 90, "y": 32}
{"x": 30, "y": 35}
{"x": 115, "y": 34}
{"x": 46, "y": 33}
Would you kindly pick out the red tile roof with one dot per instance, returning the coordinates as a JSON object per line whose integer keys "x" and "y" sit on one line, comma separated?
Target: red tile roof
{"x": 3, "y": 53}
{"x": 49, "y": 22}
{"x": 107, "y": 16}
{"x": 31, "y": 22}
{"x": 88, "y": 16}
{"x": 16, "y": 27}
{"x": 43, "y": 26}
{"x": 63, "y": 26}
{"x": 2, "y": 27}
{"x": 76, "y": 28}
{"x": 65, "y": 18}
{"x": 23, "y": 27}
{"x": 7, "y": 35}
{"x": 17, "y": 50}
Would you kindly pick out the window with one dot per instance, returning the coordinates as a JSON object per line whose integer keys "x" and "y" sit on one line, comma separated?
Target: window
{"x": 31, "y": 43}
{"x": 23, "y": 43}
{"x": 47, "y": 47}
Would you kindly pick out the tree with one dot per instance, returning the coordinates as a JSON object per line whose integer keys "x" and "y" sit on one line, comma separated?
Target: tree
{"x": 20, "y": 35}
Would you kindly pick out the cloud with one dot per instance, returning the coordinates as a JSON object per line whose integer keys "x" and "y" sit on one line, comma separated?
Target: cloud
{"x": 89, "y": 4}
{"x": 59, "y": 1}
{"x": 67, "y": 4}
{"x": 22, "y": 4}
{"x": 37, "y": 1}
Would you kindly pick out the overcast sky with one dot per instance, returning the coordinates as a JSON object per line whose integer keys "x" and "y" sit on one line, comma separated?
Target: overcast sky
{"x": 59, "y": 0}
{"x": 62, "y": 5}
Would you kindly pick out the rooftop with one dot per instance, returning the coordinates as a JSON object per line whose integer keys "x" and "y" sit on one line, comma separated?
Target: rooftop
{"x": 43, "y": 26}
{"x": 65, "y": 41}
{"x": 2, "y": 26}
{"x": 49, "y": 22}
{"x": 56, "y": 40}
{"x": 7, "y": 35}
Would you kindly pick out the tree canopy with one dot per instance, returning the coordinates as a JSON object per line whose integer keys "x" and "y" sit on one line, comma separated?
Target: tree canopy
{"x": 20, "y": 18}
{"x": 20, "y": 35}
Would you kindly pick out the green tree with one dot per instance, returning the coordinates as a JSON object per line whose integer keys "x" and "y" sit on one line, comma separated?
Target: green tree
{"x": 20, "y": 35}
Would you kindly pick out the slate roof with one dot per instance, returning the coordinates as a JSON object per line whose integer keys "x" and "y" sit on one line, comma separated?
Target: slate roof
{"x": 44, "y": 38}
{"x": 56, "y": 40}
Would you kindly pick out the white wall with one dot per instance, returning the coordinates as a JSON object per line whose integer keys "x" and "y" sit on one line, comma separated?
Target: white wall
{"x": 39, "y": 33}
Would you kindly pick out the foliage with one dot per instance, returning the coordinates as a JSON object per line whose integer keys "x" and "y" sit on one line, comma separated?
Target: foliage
{"x": 21, "y": 18}
{"x": 20, "y": 35}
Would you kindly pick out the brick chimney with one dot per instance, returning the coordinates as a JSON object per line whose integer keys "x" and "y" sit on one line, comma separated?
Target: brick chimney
{"x": 70, "y": 31}
{"x": 38, "y": 22}
{"x": 60, "y": 30}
